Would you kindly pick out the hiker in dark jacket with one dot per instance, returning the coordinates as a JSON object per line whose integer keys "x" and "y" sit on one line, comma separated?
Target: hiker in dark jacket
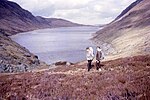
{"x": 99, "y": 57}
{"x": 89, "y": 57}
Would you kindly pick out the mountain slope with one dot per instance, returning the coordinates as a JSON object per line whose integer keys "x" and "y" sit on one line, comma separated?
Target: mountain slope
{"x": 15, "y": 58}
{"x": 14, "y": 19}
{"x": 57, "y": 22}
{"x": 129, "y": 33}
{"x": 128, "y": 8}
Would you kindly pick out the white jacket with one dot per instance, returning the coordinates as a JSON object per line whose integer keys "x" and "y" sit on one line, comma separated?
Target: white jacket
{"x": 90, "y": 54}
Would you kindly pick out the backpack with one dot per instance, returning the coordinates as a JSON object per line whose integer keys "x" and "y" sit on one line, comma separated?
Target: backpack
{"x": 99, "y": 55}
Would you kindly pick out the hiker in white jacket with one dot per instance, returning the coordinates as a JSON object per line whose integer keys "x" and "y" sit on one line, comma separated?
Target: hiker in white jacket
{"x": 89, "y": 57}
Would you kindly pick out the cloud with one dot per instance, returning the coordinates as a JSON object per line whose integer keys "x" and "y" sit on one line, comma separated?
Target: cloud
{"x": 37, "y": 7}
{"x": 85, "y": 11}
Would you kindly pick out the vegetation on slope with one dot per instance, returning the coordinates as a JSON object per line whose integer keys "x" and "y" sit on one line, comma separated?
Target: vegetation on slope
{"x": 121, "y": 79}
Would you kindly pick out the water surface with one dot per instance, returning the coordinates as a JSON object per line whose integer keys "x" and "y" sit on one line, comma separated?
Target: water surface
{"x": 57, "y": 44}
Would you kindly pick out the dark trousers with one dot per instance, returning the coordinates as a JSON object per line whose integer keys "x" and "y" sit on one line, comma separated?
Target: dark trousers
{"x": 89, "y": 65}
{"x": 98, "y": 65}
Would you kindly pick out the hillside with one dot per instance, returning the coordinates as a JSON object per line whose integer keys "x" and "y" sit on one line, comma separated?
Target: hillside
{"x": 128, "y": 9}
{"x": 14, "y": 19}
{"x": 129, "y": 33}
{"x": 120, "y": 79}
{"x": 15, "y": 58}
{"x": 57, "y": 22}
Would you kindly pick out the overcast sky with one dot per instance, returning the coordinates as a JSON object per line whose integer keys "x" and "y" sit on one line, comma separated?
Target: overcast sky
{"x": 80, "y": 11}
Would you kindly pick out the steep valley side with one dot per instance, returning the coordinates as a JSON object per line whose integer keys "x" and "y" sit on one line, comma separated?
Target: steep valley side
{"x": 129, "y": 34}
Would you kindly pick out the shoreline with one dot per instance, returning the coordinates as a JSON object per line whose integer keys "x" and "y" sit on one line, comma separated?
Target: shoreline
{"x": 64, "y": 50}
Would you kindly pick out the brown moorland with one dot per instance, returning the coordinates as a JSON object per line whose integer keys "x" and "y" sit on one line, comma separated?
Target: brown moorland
{"x": 121, "y": 79}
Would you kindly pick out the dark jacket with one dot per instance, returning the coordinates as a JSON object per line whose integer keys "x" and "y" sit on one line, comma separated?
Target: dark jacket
{"x": 98, "y": 55}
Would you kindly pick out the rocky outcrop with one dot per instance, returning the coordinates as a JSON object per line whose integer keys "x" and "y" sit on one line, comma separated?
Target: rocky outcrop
{"x": 14, "y": 19}
{"x": 63, "y": 63}
{"x": 15, "y": 58}
{"x": 129, "y": 33}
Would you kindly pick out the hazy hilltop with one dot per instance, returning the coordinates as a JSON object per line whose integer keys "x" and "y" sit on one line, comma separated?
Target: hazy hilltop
{"x": 57, "y": 22}
{"x": 14, "y": 19}
{"x": 129, "y": 33}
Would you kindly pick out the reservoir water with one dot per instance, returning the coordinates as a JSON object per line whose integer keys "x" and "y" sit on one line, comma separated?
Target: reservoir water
{"x": 57, "y": 44}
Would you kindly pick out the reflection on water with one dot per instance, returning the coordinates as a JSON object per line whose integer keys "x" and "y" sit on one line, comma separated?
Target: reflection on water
{"x": 58, "y": 44}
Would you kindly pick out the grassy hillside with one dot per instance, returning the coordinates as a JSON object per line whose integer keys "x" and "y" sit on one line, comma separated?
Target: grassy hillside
{"x": 120, "y": 79}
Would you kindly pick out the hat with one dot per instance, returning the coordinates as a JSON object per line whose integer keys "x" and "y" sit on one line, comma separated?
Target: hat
{"x": 99, "y": 49}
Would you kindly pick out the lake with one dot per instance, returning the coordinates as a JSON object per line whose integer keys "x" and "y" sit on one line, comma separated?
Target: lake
{"x": 57, "y": 44}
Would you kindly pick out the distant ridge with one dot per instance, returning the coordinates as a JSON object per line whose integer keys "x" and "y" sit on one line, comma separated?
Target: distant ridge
{"x": 57, "y": 22}
{"x": 14, "y": 19}
{"x": 128, "y": 9}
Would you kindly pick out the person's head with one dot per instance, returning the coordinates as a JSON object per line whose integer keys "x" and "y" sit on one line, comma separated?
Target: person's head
{"x": 87, "y": 49}
{"x": 90, "y": 48}
{"x": 98, "y": 48}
